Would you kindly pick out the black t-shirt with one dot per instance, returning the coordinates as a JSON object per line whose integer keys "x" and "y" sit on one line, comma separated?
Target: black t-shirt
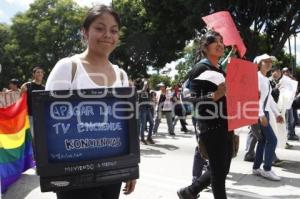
{"x": 202, "y": 88}
{"x": 32, "y": 86}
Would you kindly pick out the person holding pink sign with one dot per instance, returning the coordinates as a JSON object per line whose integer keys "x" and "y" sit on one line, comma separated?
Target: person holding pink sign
{"x": 208, "y": 92}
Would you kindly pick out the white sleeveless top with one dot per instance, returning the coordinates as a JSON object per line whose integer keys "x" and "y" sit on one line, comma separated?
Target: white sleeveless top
{"x": 60, "y": 77}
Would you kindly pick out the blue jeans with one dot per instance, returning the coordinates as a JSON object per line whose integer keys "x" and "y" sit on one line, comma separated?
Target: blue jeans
{"x": 146, "y": 116}
{"x": 290, "y": 122}
{"x": 266, "y": 147}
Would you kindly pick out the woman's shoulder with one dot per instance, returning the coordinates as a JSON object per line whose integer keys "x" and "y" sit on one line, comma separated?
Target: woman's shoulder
{"x": 197, "y": 70}
{"x": 64, "y": 61}
{"x": 64, "y": 64}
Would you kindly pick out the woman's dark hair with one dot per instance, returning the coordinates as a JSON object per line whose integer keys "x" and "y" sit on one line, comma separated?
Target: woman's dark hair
{"x": 209, "y": 37}
{"x": 14, "y": 81}
{"x": 97, "y": 11}
{"x": 36, "y": 68}
{"x": 139, "y": 84}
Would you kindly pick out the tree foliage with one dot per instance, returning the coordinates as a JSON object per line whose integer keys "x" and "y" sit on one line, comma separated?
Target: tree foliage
{"x": 48, "y": 31}
{"x": 5, "y": 72}
{"x": 156, "y": 31}
{"x": 156, "y": 79}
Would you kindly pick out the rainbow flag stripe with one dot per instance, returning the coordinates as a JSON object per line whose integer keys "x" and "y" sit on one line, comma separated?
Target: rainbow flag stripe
{"x": 15, "y": 143}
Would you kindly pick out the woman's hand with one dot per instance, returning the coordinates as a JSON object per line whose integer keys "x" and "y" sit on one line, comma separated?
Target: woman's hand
{"x": 129, "y": 187}
{"x": 264, "y": 121}
{"x": 220, "y": 92}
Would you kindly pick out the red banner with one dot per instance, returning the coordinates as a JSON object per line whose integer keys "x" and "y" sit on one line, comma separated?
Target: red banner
{"x": 222, "y": 22}
{"x": 242, "y": 93}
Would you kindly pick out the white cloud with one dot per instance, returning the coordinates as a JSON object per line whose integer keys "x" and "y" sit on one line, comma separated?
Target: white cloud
{"x": 91, "y": 2}
{"x": 9, "y": 1}
{"x": 23, "y": 2}
{"x": 292, "y": 40}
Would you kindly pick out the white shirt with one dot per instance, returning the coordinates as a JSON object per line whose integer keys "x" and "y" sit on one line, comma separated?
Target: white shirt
{"x": 264, "y": 88}
{"x": 287, "y": 88}
{"x": 60, "y": 77}
{"x": 168, "y": 103}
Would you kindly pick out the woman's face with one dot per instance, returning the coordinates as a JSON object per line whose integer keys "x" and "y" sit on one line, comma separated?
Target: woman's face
{"x": 266, "y": 64}
{"x": 103, "y": 34}
{"x": 216, "y": 48}
{"x": 38, "y": 75}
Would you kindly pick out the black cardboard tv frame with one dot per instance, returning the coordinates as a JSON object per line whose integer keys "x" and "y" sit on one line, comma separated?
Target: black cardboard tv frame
{"x": 89, "y": 173}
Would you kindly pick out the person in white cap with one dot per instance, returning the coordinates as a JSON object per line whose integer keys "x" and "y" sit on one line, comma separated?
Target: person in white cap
{"x": 267, "y": 145}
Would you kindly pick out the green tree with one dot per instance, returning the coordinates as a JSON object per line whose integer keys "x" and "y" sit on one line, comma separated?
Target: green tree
{"x": 156, "y": 31}
{"x": 188, "y": 61}
{"x": 5, "y": 72}
{"x": 48, "y": 31}
{"x": 156, "y": 79}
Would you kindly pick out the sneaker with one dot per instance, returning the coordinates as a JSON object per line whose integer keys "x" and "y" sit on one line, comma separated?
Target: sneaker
{"x": 257, "y": 172}
{"x": 184, "y": 130}
{"x": 293, "y": 137}
{"x": 144, "y": 141}
{"x": 270, "y": 175}
{"x": 150, "y": 141}
{"x": 288, "y": 146}
{"x": 249, "y": 158}
{"x": 185, "y": 193}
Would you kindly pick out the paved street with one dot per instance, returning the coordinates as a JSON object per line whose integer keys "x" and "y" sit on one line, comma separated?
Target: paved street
{"x": 166, "y": 166}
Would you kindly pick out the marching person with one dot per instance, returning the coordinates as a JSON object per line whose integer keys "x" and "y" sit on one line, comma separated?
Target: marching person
{"x": 164, "y": 107}
{"x": 101, "y": 29}
{"x": 213, "y": 130}
{"x": 266, "y": 146}
{"x": 35, "y": 84}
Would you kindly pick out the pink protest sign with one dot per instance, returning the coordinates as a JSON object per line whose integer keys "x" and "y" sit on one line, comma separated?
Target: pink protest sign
{"x": 242, "y": 93}
{"x": 222, "y": 22}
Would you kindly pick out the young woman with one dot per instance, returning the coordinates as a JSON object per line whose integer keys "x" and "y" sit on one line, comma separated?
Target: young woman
{"x": 93, "y": 70}
{"x": 266, "y": 147}
{"x": 208, "y": 88}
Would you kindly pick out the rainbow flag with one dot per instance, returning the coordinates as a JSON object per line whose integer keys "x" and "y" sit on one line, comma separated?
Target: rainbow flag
{"x": 15, "y": 143}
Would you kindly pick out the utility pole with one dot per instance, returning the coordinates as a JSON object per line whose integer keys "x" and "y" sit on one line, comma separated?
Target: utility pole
{"x": 290, "y": 52}
{"x": 295, "y": 50}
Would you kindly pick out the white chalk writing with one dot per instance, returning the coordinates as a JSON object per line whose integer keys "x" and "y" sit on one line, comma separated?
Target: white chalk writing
{"x": 63, "y": 110}
{"x": 64, "y": 127}
{"x": 89, "y": 126}
{"x": 72, "y": 144}
{"x": 61, "y": 156}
